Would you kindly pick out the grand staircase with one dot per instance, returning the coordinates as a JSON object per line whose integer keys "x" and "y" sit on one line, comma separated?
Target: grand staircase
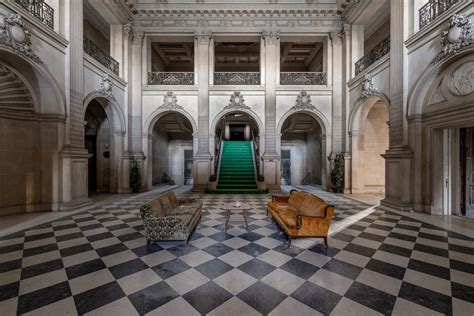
{"x": 237, "y": 172}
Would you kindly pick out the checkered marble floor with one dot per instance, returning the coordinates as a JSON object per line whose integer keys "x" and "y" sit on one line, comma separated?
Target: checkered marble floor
{"x": 96, "y": 262}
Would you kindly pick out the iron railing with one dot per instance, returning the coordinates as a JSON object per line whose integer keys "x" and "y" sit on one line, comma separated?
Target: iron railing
{"x": 236, "y": 78}
{"x": 434, "y": 8}
{"x": 41, "y": 10}
{"x": 171, "y": 78}
{"x": 100, "y": 55}
{"x": 303, "y": 78}
{"x": 382, "y": 49}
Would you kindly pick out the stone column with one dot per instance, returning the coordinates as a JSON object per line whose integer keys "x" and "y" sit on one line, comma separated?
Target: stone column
{"x": 134, "y": 118}
{"x": 398, "y": 156}
{"x": 202, "y": 159}
{"x": 74, "y": 157}
{"x": 271, "y": 158}
{"x": 338, "y": 87}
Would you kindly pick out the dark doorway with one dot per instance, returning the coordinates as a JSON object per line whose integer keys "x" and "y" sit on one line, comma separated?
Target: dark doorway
{"x": 467, "y": 171}
{"x": 285, "y": 167}
{"x": 188, "y": 167}
{"x": 237, "y": 132}
{"x": 91, "y": 146}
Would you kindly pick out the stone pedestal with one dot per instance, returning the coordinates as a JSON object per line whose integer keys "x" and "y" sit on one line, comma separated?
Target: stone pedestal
{"x": 202, "y": 171}
{"x": 397, "y": 179}
{"x": 74, "y": 181}
{"x": 271, "y": 171}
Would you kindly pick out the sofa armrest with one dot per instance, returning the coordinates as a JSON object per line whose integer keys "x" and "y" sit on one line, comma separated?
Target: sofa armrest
{"x": 184, "y": 201}
{"x": 317, "y": 223}
{"x": 145, "y": 211}
{"x": 280, "y": 198}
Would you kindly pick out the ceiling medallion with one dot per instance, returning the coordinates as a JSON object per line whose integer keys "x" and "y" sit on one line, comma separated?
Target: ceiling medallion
{"x": 303, "y": 102}
{"x": 170, "y": 102}
{"x": 14, "y": 34}
{"x": 237, "y": 102}
{"x": 457, "y": 35}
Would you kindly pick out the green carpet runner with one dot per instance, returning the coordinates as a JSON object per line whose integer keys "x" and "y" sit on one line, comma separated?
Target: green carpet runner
{"x": 237, "y": 172}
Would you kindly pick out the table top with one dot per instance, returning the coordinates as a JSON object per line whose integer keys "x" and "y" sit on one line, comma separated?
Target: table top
{"x": 232, "y": 207}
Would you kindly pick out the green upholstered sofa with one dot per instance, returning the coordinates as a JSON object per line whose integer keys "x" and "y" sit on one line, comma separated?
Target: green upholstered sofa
{"x": 167, "y": 218}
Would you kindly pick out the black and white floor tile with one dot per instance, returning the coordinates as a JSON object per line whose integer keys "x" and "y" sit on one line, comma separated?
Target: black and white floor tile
{"x": 97, "y": 263}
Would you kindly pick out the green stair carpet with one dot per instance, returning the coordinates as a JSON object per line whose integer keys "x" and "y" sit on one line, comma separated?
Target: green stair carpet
{"x": 237, "y": 174}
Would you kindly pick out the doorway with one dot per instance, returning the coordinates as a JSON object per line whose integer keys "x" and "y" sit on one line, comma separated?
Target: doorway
{"x": 467, "y": 171}
{"x": 91, "y": 146}
{"x": 237, "y": 132}
{"x": 285, "y": 167}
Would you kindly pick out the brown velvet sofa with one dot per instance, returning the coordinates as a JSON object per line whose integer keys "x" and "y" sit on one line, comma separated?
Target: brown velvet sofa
{"x": 167, "y": 218}
{"x": 301, "y": 214}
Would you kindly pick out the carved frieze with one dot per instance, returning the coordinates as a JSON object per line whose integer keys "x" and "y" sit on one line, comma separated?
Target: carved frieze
{"x": 236, "y": 102}
{"x": 457, "y": 35}
{"x": 303, "y": 102}
{"x": 14, "y": 34}
{"x": 462, "y": 80}
{"x": 170, "y": 102}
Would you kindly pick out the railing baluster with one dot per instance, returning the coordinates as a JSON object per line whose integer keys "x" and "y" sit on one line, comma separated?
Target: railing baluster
{"x": 431, "y": 10}
{"x": 375, "y": 54}
{"x": 171, "y": 78}
{"x": 102, "y": 57}
{"x": 41, "y": 10}
{"x": 303, "y": 78}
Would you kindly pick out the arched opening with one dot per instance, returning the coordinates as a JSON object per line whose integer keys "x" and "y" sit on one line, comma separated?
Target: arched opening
{"x": 98, "y": 142}
{"x": 172, "y": 150}
{"x": 369, "y": 141}
{"x": 29, "y": 141}
{"x": 301, "y": 150}
{"x": 236, "y": 126}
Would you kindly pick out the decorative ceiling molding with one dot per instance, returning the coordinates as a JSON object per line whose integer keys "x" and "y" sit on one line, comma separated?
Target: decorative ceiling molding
{"x": 457, "y": 35}
{"x": 303, "y": 102}
{"x": 236, "y": 102}
{"x": 14, "y": 34}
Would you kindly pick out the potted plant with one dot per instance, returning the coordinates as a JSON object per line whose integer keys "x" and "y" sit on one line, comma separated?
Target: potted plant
{"x": 261, "y": 184}
{"x": 337, "y": 174}
{"x": 212, "y": 184}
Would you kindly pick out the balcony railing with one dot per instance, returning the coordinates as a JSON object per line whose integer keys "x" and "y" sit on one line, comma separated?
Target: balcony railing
{"x": 434, "y": 8}
{"x": 41, "y": 10}
{"x": 303, "y": 78}
{"x": 236, "y": 78}
{"x": 102, "y": 57}
{"x": 171, "y": 78}
{"x": 375, "y": 54}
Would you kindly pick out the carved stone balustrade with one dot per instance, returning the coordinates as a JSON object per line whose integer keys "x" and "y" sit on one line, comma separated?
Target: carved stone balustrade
{"x": 102, "y": 57}
{"x": 171, "y": 78}
{"x": 431, "y": 10}
{"x": 236, "y": 78}
{"x": 382, "y": 49}
{"x": 303, "y": 78}
{"x": 41, "y": 10}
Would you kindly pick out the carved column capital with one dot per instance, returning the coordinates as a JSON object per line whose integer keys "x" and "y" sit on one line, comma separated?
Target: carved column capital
{"x": 337, "y": 37}
{"x": 271, "y": 37}
{"x": 127, "y": 30}
{"x": 137, "y": 38}
{"x": 203, "y": 37}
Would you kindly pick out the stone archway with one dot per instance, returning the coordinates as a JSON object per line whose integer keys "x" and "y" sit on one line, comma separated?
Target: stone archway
{"x": 368, "y": 140}
{"x": 170, "y": 146}
{"x": 303, "y": 134}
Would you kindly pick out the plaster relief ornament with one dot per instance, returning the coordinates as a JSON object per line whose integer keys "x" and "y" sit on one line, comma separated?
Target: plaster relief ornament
{"x": 170, "y": 102}
{"x": 462, "y": 80}
{"x": 14, "y": 34}
{"x": 236, "y": 102}
{"x": 368, "y": 88}
{"x": 457, "y": 35}
{"x": 106, "y": 86}
{"x": 303, "y": 102}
